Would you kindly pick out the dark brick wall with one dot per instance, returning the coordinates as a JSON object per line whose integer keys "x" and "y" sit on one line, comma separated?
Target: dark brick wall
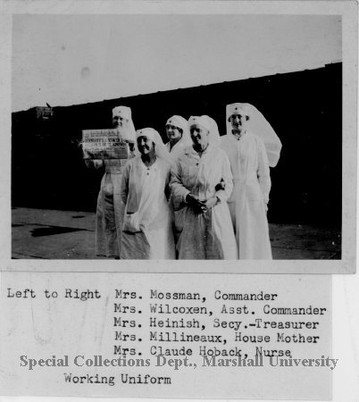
{"x": 305, "y": 109}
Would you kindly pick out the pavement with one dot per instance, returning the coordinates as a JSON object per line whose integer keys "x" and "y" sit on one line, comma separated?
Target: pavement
{"x": 54, "y": 234}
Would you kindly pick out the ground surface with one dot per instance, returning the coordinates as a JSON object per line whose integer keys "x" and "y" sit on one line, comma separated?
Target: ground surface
{"x": 50, "y": 234}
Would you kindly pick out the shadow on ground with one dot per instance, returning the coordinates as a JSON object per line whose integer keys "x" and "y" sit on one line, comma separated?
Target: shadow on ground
{"x": 52, "y": 234}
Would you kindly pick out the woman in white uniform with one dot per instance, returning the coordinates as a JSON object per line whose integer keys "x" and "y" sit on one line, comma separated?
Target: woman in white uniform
{"x": 203, "y": 219}
{"x": 252, "y": 147}
{"x": 147, "y": 223}
{"x": 108, "y": 211}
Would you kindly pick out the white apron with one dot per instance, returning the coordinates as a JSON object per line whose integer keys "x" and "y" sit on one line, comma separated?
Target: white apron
{"x": 208, "y": 235}
{"x": 147, "y": 221}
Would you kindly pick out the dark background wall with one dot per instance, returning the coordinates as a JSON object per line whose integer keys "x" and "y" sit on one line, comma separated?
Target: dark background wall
{"x": 304, "y": 108}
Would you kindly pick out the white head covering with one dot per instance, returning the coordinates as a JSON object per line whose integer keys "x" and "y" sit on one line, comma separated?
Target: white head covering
{"x": 214, "y": 132}
{"x": 127, "y": 130}
{"x": 237, "y": 108}
{"x": 182, "y": 123}
{"x": 202, "y": 121}
{"x": 259, "y": 126}
{"x": 154, "y": 136}
{"x": 122, "y": 111}
{"x": 209, "y": 124}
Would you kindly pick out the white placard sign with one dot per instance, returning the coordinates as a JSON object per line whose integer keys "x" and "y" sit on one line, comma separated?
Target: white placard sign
{"x": 103, "y": 144}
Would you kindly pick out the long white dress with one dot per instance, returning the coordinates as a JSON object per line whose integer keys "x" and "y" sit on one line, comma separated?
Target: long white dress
{"x": 247, "y": 204}
{"x": 108, "y": 211}
{"x": 208, "y": 235}
{"x": 147, "y": 219}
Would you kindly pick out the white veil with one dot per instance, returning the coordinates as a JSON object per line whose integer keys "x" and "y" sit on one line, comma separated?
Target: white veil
{"x": 259, "y": 126}
{"x": 153, "y": 135}
{"x": 214, "y": 137}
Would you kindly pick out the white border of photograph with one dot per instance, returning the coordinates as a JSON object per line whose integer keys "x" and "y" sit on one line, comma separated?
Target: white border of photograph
{"x": 346, "y": 9}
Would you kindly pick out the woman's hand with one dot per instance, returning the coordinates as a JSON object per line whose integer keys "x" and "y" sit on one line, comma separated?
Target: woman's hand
{"x": 197, "y": 205}
{"x": 89, "y": 154}
{"x": 211, "y": 202}
{"x": 94, "y": 163}
{"x": 201, "y": 206}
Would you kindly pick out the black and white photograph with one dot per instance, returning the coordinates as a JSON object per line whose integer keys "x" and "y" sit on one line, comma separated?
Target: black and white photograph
{"x": 180, "y": 137}
{"x": 171, "y": 172}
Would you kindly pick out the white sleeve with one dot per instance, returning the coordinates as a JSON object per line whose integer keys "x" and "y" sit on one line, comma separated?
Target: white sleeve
{"x": 124, "y": 183}
{"x": 263, "y": 172}
{"x": 179, "y": 191}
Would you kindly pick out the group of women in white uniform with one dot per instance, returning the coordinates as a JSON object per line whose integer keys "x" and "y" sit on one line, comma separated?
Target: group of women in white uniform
{"x": 200, "y": 196}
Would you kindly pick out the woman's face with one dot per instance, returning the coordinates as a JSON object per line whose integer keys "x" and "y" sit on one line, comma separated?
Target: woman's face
{"x": 238, "y": 122}
{"x": 199, "y": 136}
{"x": 117, "y": 121}
{"x": 174, "y": 133}
{"x": 145, "y": 145}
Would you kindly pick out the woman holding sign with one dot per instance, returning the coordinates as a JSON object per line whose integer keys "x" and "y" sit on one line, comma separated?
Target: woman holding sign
{"x": 108, "y": 211}
{"x": 147, "y": 223}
